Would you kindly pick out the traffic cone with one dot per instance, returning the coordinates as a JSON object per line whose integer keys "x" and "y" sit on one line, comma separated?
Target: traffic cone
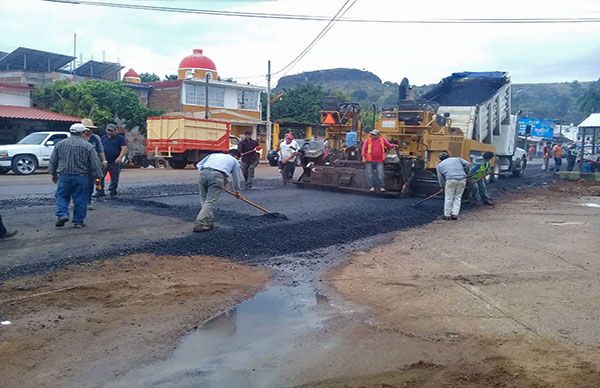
{"x": 107, "y": 178}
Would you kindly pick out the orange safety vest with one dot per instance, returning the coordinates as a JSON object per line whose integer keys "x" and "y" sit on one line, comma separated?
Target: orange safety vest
{"x": 368, "y": 155}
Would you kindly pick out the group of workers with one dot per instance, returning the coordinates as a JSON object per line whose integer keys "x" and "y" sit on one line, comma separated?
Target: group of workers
{"x": 556, "y": 152}
{"x": 454, "y": 174}
{"x": 81, "y": 162}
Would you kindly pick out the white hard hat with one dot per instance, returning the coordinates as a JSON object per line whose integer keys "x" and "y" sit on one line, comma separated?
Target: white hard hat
{"x": 78, "y": 128}
{"x": 375, "y": 132}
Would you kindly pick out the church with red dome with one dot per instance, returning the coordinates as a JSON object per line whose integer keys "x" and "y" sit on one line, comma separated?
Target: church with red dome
{"x": 236, "y": 103}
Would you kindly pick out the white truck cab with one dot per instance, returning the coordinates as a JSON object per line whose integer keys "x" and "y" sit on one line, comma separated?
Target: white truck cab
{"x": 30, "y": 153}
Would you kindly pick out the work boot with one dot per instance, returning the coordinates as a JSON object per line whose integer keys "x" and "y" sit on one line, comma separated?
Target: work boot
{"x": 372, "y": 190}
{"x": 91, "y": 207}
{"x": 453, "y": 217}
{"x": 489, "y": 203}
{"x": 382, "y": 190}
{"x": 446, "y": 218}
{"x": 61, "y": 222}
{"x": 202, "y": 228}
{"x": 8, "y": 235}
{"x": 113, "y": 193}
{"x": 78, "y": 225}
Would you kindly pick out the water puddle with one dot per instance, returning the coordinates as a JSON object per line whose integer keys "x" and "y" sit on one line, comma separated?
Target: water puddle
{"x": 280, "y": 337}
{"x": 250, "y": 345}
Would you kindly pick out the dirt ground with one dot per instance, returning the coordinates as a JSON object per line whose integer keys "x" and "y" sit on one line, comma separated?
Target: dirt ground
{"x": 507, "y": 295}
{"x": 86, "y": 324}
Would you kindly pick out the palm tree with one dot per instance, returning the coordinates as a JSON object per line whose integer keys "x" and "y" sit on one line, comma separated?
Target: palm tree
{"x": 589, "y": 102}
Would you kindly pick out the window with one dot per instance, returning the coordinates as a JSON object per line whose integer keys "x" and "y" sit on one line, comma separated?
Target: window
{"x": 57, "y": 138}
{"x": 248, "y": 99}
{"x": 33, "y": 138}
{"x": 194, "y": 95}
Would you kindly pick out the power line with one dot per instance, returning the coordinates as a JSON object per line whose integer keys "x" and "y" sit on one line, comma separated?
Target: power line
{"x": 263, "y": 15}
{"x": 341, "y": 12}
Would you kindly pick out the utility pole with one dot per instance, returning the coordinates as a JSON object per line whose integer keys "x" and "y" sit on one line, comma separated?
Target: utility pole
{"x": 269, "y": 131}
{"x": 74, "y": 53}
{"x": 206, "y": 96}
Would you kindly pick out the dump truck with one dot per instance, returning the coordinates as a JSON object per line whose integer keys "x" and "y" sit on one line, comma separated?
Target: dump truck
{"x": 185, "y": 140}
{"x": 422, "y": 129}
{"x": 479, "y": 103}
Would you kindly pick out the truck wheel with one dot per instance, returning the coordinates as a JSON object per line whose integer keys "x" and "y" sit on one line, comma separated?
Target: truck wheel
{"x": 177, "y": 164}
{"x": 24, "y": 164}
{"x": 518, "y": 172}
{"x": 494, "y": 174}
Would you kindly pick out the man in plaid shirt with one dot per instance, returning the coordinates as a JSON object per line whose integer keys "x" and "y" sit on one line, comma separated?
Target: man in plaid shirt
{"x": 72, "y": 162}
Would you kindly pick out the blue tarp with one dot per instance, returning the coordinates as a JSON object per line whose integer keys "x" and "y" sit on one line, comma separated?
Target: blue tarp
{"x": 479, "y": 74}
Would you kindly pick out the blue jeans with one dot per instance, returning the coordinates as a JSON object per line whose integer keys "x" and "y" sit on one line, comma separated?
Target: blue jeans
{"x": 480, "y": 187}
{"x": 380, "y": 175}
{"x": 76, "y": 187}
{"x": 114, "y": 170}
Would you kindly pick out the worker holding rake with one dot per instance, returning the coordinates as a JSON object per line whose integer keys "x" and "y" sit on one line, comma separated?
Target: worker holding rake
{"x": 216, "y": 170}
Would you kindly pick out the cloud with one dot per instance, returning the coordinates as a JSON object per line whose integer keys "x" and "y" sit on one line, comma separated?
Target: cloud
{"x": 156, "y": 42}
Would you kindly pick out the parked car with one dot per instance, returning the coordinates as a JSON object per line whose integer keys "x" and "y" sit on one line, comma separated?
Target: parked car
{"x": 32, "y": 152}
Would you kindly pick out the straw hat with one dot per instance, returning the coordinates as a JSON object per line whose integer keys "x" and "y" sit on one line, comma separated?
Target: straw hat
{"x": 88, "y": 123}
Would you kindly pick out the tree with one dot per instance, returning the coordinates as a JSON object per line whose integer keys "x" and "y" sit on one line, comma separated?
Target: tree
{"x": 359, "y": 95}
{"x": 300, "y": 104}
{"x": 589, "y": 102}
{"x": 100, "y": 101}
{"x": 170, "y": 77}
{"x": 147, "y": 77}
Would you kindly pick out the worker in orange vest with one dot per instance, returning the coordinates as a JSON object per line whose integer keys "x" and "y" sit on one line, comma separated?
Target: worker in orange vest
{"x": 373, "y": 154}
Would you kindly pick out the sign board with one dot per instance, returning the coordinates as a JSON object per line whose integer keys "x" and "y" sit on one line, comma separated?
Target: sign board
{"x": 539, "y": 127}
{"x": 388, "y": 124}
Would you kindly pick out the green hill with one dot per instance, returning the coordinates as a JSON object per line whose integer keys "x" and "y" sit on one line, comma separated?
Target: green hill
{"x": 544, "y": 100}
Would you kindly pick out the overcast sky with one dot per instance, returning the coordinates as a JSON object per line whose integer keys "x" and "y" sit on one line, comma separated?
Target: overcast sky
{"x": 424, "y": 53}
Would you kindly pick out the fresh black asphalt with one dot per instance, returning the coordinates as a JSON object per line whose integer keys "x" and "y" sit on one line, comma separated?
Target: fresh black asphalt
{"x": 316, "y": 219}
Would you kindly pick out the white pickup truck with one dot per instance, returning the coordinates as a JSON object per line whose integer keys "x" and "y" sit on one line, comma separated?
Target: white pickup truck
{"x": 31, "y": 152}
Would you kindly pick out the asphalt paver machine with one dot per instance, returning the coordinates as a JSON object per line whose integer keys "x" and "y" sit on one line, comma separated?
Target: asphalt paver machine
{"x": 420, "y": 133}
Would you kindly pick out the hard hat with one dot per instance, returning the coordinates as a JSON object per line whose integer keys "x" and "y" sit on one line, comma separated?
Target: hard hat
{"x": 78, "y": 128}
{"x": 375, "y": 132}
{"x": 444, "y": 155}
{"x": 111, "y": 127}
{"x": 88, "y": 123}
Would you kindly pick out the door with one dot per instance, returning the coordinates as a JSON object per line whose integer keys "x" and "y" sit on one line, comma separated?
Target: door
{"x": 48, "y": 146}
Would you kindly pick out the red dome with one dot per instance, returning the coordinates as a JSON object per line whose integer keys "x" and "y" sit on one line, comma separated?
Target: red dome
{"x": 197, "y": 61}
{"x": 131, "y": 74}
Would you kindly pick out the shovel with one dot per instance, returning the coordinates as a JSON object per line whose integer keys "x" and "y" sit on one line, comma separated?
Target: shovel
{"x": 428, "y": 198}
{"x": 268, "y": 213}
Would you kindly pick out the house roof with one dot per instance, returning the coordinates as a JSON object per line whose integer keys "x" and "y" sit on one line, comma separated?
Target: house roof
{"x": 26, "y": 113}
{"x": 96, "y": 69}
{"x": 35, "y": 60}
{"x": 593, "y": 120}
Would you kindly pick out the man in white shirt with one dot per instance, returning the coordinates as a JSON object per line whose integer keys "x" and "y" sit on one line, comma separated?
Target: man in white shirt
{"x": 452, "y": 176}
{"x": 288, "y": 150}
{"x": 216, "y": 170}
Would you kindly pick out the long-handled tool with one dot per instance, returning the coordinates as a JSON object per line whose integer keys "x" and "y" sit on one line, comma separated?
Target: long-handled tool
{"x": 251, "y": 151}
{"x": 428, "y": 198}
{"x": 270, "y": 214}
